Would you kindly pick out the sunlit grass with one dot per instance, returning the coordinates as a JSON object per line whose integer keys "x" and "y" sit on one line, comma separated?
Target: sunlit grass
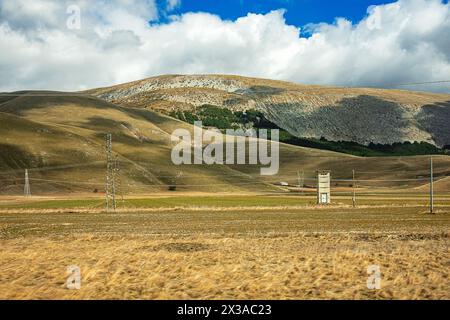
{"x": 228, "y": 201}
{"x": 247, "y": 247}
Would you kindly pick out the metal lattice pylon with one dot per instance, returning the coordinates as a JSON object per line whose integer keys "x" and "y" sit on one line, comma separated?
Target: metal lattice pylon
{"x": 110, "y": 185}
{"x": 27, "y": 189}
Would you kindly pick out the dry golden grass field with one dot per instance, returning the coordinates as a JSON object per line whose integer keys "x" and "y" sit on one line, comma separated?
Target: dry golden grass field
{"x": 225, "y": 247}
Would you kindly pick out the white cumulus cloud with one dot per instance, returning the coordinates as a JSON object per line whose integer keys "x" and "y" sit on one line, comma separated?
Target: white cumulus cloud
{"x": 122, "y": 40}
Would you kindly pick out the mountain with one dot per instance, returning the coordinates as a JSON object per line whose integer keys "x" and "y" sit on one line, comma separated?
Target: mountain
{"x": 359, "y": 115}
{"x": 60, "y": 138}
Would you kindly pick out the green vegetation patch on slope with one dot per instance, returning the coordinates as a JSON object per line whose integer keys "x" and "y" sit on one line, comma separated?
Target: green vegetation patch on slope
{"x": 372, "y": 150}
{"x": 222, "y": 118}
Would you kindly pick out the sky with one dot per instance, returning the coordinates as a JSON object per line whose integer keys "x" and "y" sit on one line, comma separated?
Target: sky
{"x": 298, "y": 13}
{"x": 80, "y": 44}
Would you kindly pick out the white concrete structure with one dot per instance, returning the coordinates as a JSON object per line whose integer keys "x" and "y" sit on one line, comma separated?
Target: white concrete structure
{"x": 323, "y": 187}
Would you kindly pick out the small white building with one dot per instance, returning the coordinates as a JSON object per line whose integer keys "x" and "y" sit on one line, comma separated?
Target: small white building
{"x": 323, "y": 187}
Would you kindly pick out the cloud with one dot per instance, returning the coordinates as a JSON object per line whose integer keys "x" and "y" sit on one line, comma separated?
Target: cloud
{"x": 173, "y": 4}
{"x": 403, "y": 42}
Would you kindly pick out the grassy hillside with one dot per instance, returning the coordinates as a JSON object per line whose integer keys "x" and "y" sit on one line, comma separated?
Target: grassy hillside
{"x": 60, "y": 138}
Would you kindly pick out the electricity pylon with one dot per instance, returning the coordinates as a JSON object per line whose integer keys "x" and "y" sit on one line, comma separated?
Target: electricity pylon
{"x": 110, "y": 186}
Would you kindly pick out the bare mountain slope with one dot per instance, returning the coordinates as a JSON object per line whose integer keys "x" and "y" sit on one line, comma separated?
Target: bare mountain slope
{"x": 337, "y": 114}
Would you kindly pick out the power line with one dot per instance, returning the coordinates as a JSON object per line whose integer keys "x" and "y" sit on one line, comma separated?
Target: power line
{"x": 422, "y": 83}
{"x": 306, "y": 87}
{"x": 67, "y": 182}
{"x": 68, "y": 166}
{"x": 43, "y": 94}
{"x": 293, "y": 181}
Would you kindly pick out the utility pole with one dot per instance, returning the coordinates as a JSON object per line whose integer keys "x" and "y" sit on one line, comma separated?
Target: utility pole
{"x": 110, "y": 186}
{"x": 431, "y": 186}
{"x": 117, "y": 180}
{"x": 354, "y": 190}
{"x": 301, "y": 180}
{"x": 27, "y": 189}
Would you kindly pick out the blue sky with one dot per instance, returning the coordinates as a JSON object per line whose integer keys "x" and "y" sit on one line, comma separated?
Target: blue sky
{"x": 299, "y": 12}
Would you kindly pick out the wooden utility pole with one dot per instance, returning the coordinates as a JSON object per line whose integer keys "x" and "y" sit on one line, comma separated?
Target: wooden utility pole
{"x": 354, "y": 190}
{"x": 431, "y": 186}
{"x": 301, "y": 181}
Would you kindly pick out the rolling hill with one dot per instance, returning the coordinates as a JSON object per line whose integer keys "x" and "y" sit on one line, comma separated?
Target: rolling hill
{"x": 60, "y": 138}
